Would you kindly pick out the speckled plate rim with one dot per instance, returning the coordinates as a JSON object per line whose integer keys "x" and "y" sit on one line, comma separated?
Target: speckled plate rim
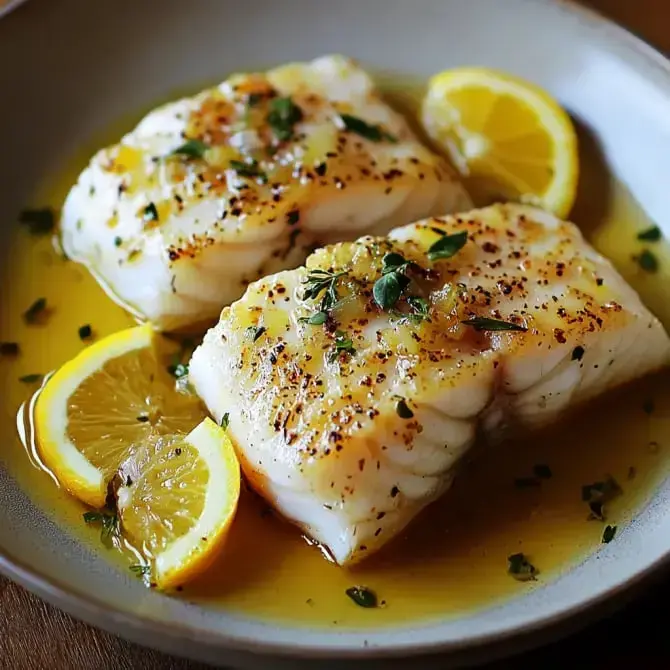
{"x": 168, "y": 637}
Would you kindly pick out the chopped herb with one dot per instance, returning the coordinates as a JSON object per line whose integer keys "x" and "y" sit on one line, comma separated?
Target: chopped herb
{"x": 578, "y": 353}
{"x": 283, "y": 115}
{"x": 118, "y": 241}
{"x": 178, "y": 370}
{"x": 482, "y": 323}
{"x": 38, "y": 221}
{"x": 318, "y": 281}
{"x": 526, "y": 482}
{"x": 109, "y": 523}
{"x": 9, "y": 349}
{"x": 447, "y": 246}
{"x": 362, "y": 596}
{"x": 420, "y": 307}
{"x": 36, "y": 311}
{"x": 293, "y": 217}
{"x": 652, "y": 234}
{"x": 596, "y": 495}
{"x": 31, "y": 379}
{"x": 647, "y": 261}
{"x": 255, "y": 332}
{"x": 253, "y": 99}
{"x": 371, "y": 132}
{"x": 191, "y": 149}
{"x": 225, "y": 420}
{"x": 402, "y": 410}
{"x": 143, "y": 418}
{"x": 542, "y": 471}
{"x": 140, "y": 570}
{"x": 150, "y": 212}
{"x": 520, "y": 568}
{"x": 251, "y": 169}
{"x": 317, "y": 319}
{"x": 85, "y": 332}
{"x": 343, "y": 345}
{"x": 608, "y": 534}
{"x": 390, "y": 286}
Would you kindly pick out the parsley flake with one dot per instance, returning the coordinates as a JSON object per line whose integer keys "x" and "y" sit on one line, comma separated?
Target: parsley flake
{"x": 447, "y": 246}
{"x": 343, "y": 345}
{"x": 374, "y": 133}
{"x": 317, "y": 319}
{"x": 140, "y": 570}
{"x": 362, "y": 596}
{"x": 519, "y": 567}
{"x": 250, "y": 170}
{"x": 481, "y": 323}
{"x": 225, "y": 420}
{"x": 387, "y": 290}
{"x": 648, "y": 261}
{"x": 191, "y": 149}
{"x": 85, "y": 332}
{"x": 31, "y": 379}
{"x": 109, "y": 523}
{"x": 403, "y": 410}
{"x": 150, "y": 212}
{"x": 652, "y": 234}
{"x": 608, "y": 534}
{"x": 320, "y": 281}
{"x": 283, "y": 115}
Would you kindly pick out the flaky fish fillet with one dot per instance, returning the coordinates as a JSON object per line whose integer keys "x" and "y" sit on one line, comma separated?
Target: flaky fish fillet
{"x": 351, "y": 426}
{"x": 267, "y": 166}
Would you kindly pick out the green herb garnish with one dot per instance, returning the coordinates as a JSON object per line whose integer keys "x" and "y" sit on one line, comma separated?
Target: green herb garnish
{"x": 109, "y": 523}
{"x": 178, "y": 370}
{"x": 38, "y": 221}
{"x": 652, "y": 234}
{"x": 191, "y": 149}
{"x": 253, "y": 99}
{"x": 118, "y": 241}
{"x": 317, "y": 319}
{"x": 608, "y": 534}
{"x": 321, "y": 281}
{"x": 362, "y": 596}
{"x": 596, "y": 495}
{"x": 577, "y": 353}
{"x": 36, "y": 311}
{"x": 420, "y": 307}
{"x": 31, "y": 379}
{"x": 255, "y": 332}
{"x": 283, "y": 115}
{"x": 447, "y": 246}
{"x": 519, "y": 567}
{"x": 648, "y": 261}
{"x": 251, "y": 170}
{"x": 481, "y": 323}
{"x": 9, "y": 349}
{"x": 150, "y": 212}
{"x": 375, "y": 133}
{"x": 140, "y": 570}
{"x": 402, "y": 409}
{"x": 85, "y": 332}
{"x": 225, "y": 420}
{"x": 343, "y": 345}
{"x": 390, "y": 286}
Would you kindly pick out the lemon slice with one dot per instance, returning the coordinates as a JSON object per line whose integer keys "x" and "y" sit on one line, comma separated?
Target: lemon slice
{"x": 105, "y": 404}
{"x": 178, "y": 500}
{"x": 509, "y": 139}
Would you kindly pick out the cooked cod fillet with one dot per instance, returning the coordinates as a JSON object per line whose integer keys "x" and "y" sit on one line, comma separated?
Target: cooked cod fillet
{"x": 241, "y": 180}
{"x": 352, "y": 422}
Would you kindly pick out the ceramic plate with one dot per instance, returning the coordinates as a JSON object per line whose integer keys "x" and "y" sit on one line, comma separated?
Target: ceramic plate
{"x": 70, "y": 68}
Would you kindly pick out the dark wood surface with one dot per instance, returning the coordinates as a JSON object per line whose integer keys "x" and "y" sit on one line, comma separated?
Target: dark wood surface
{"x": 36, "y": 635}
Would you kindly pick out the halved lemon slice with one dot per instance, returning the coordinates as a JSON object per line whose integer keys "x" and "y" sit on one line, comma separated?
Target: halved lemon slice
{"x": 107, "y": 402}
{"x": 509, "y": 139}
{"x": 178, "y": 500}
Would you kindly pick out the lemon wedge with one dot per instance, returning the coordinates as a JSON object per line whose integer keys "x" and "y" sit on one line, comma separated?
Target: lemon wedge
{"x": 509, "y": 139}
{"x": 107, "y": 402}
{"x": 178, "y": 500}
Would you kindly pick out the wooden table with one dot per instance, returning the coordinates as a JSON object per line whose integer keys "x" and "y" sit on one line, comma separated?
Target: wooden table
{"x": 35, "y": 635}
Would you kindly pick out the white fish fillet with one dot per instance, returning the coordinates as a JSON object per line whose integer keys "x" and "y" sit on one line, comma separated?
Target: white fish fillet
{"x": 177, "y": 237}
{"x": 351, "y": 446}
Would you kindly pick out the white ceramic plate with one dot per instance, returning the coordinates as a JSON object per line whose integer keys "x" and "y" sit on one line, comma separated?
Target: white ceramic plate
{"x": 70, "y": 68}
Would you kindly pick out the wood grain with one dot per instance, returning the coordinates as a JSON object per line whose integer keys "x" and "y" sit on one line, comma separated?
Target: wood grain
{"x": 35, "y": 635}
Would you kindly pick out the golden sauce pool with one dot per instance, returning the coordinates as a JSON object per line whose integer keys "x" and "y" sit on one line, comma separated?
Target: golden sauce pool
{"x": 454, "y": 558}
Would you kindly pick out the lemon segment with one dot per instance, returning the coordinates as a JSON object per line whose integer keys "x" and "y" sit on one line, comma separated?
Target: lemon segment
{"x": 179, "y": 501}
{"x": 105, "y": 403}
{"x": 509, "y": 139}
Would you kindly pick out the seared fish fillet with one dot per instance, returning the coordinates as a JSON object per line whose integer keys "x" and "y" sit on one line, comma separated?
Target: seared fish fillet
{"x": 241, "y": 180}
{"x": 351, "y": 425}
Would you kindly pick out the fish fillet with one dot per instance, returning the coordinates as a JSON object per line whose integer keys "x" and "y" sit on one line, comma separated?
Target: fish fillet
{"x": 351, "y": 426}
{"x": 211, "y": 192}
